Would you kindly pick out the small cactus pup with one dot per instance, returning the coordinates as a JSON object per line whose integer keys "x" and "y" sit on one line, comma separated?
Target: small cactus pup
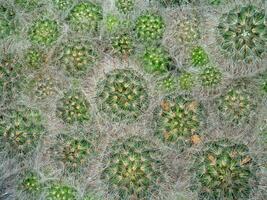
{"x": 125, "y": 6}
{"x": 123, "y": 95}
{"x": 21, "y": 129}
{"x": 123, "y": 44}
{"x": 224, "y": 170}
{"x": 150, "y": 27}
{"x": 112, "y": 22}
{"x": 63, "y": 4}
{"x": 242, "y": 34}
{"x": 60, "y": 191}
{"x": 34, "y": 58}
{"x": 187, "y": 81}
{"x": 168, "y": 83}
{"x": 176, "y": 119}
{"x": 156, "y": 60}
{"x": 7, "y": 23}
{"x": 31, "y": 184}
{"x": 135, "y": 169}
{"x": 44, "y": 32}
{"x": 210, "y": 76}
{"x": 85, "y": 16}
{"x": 198, "y": 56}
{"x": 74, "y": 108}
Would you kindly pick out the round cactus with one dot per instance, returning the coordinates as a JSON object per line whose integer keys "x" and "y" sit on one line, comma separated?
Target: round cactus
{"x": 31, "y": 184}
{"x": 63, "y": 4}
{"x": 74, "y": 107}
{"x": 85, "y": 16}
{"x": 168, "y": 83}
{"x": 224, "y": 170}
{"x": 149, "y": 27}
{"x": 7, "y": 24}
{"x": 135, "y": 168}
{"x": 77, "y": 57}
{"x": 34, "y": 58}
{"x": 242, "y": 34}
{"x": 123, "y": 44}
{"x": 123, "y": 95}
{"x": 186, "y": 81}
{"x": 20, "y": 129}
{"x": 44, "y": 87}
{"x": 199, "y": 57}
{"x": 112, "y": 22}
{"x": 210, "y": 76}
{"x": 44, "y": 32}
{"x": 177, "y": 118}
{"x": 61, "y": 192}
{"x": 125, "y": 6}
{"x": 156, "y": 60}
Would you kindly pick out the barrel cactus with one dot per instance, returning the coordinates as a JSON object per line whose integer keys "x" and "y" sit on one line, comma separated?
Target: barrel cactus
{"x": 168, "y": 83}
{"x": 210, "y": 76}
{"x": 123, "y": 44}
{"x": 60, "y": 191}
{"x": 224, "y": 169}
{"x": 125, "y": 6}
{"x": 122, "y": 95}
{"x": 186, "y": 81}
{"x": 135, "y": 168}
{"x": 199, "y": 57}
{"x": 44, "y": 87}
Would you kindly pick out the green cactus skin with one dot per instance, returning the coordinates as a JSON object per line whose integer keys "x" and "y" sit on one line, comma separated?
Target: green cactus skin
{"x": 63, "y": 4}
{"x": 112, "y": 22}
{"x": 123, "y": 44}
{"x": 21, "y": 128}
{"x": 74, "y": 108}
{"x": 44, "y": 87}
{"x": 27, "y": 4}
{"x": 125, "y": 6}
{"x": 242, "y": 34}
{"x": 156, "y": 60}
{"x": 44, "y": 32}
{"x": 85, "y": 17}
{"x": 7, "y": 23}
{"x": 135, "y": 169}
{"x": 186, "y": 81}
{"x": 168, "y": 83}
{"x": 61, "y": 192}
{"x": 224, "y": 170}
{"x": 77, "y": 57}
{"x": 210, "y": 76}
{"x": 199, "y": 57}
{"x": 123, "y": 95}
{"x": 34, "y": 58}
{"x": 150, "y": 27}
{"x": 177, "y": 118}
{"x": 31, "y": 184}
{"x": 167, "y": 3}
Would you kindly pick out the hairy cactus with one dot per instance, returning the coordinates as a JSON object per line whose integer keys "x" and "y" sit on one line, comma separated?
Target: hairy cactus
{"x": 135, "y": 168}
{"x": 31, "y": 184}
{"x": 63, "y": 4}
{"x": 44, "y": 87}
{"x": 199, "y": 57}
{"x": 34, "y": 58}
{"x": 168, "y": 83}
{"x": 20, "y": 129}
{"x": 125, "y": 6}
{"x": 210, "y": 76}
{"x": 44, "y": 32}
{"x": 7, "y": 23}
{"x": 242, "y": 34}
{"x": 123, "y": 44}
{"x": 215, "y": 2}
{"x": 186, "y": 81}
{"x": 85, "y": 16}
{"x": 123, "y": 95}
{"x": 74, "y": 107}
{"x": 150, "y": 27}
{"x": 224, "y": 170}
{"x": 177, "y": 118}
{"x": 60, "y": 191}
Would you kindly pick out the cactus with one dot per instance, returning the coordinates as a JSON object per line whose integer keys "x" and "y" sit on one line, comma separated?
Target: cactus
{"x": 7, "y": 23}
{"x": 31, "y": 184}
{"x": 34, "y": 58}
{"x": 168, "y": 83}
{"x": 186, "y": 81}
{"x": 242, "y": 34}
{"x": 63, "y": 4}
{"x": 177, "y": 118}
{"x": 210, "y": 76}
{"x": 135, "y": 169}
{"x": 199, "y": 57}
{"x": 149, "y": 27}
{"x": 167, "y": 3}
{"x": 125, "y": 6}
{"x": 156, "y": 60}
{"x": 44, "y": 32}
{"x": 224, "y": 170}
{"x": 44, "y": 87}
{"x": 215, "y": 2}
{"x": 123, "y": 44}
{"x": 112, "y": 22}
{"x": 122, "y": 95}
{"x": 85, "y": 17}
{"x": 59, "y": 191}
{"x": 27, "y": 4}
{"x": 21, "y": 129}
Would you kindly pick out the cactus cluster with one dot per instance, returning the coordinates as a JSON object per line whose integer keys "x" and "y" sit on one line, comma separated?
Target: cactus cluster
{"x": 125, "y": 6}
{"x": 123, "y": 44}
{"x": 224, "y": 170}
{"x": 60, "y": 191}
{"x": 123, "y": 95}
{"x": 135, "y": 168}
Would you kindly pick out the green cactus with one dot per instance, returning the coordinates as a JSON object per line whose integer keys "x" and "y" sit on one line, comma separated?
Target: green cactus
{"x": 135, "y": 168}
{"x": 44, "y": 32}
{"x": 167, "y": 3}
{"x": 149, "y": 27}
{"x": 31, "y": 184}
{"x": 63, "y": 4}
{"x": 215, "y": 2}
{"x": 186, "y": 81}
{"x": 7, "y": 23}
{"x": 168, "y": 83}
{"x": 122, "y": 95}
{"x": 199, "y": 57}
{"x": 224, "y": 170}
{"x": 34, "y": 58}
{"x": 210, "y": 76}
{"x": 85, "y": 17}
{"x": 60, "y": 191}
{"x": 177, "y": 118}
{"x": 123, "y": 44}
{"x": 156, "y": 60}
{"x": 242, "y": 34}
{"x": 20, "y": 129}
{"x": 77, "y": 57}
{"x": 112, "y": 22}
{"x": 27, "y": 4}
{"x": 125, "y": 6}
{"x": 44, "y": 87}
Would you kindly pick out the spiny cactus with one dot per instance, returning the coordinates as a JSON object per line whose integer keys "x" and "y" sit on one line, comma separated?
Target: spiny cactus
{"x": 59, "y": 191}
{"x": 210, "y": 76}
{"x": 174, "y": 2}
{"x": 215, "y": 2}
{"x": 7, "y": 23}
{"x": 199, "y": 57}
{"x": 63, "y": 4}
{"x": 44, "y": 32}
{"x": 178, "y": 118}
{"x": 242, "y": 34}
{"x": 34, "y": 58}
{"x": 224, "y": 170}
{"x": 157, "y": 60}
{"x": 112, "y": 22}
{"x": 20, "y": 129}
{"x": 85, "y": 16}
{"x": 44, "y": 87}
{"x": 74, "y": 107}
{"x": 168, "y": 83}
{"x": 27, "y": 4}
{"x": 31, "y": 184}
{"x": 135, "y": 168}
{"x": 123, "y": 44}
{"x": 123, "y": 95}
{"x": 149, "y": 27}
{"x": 125, "y": 6}
{"x": 186, "y": 81}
